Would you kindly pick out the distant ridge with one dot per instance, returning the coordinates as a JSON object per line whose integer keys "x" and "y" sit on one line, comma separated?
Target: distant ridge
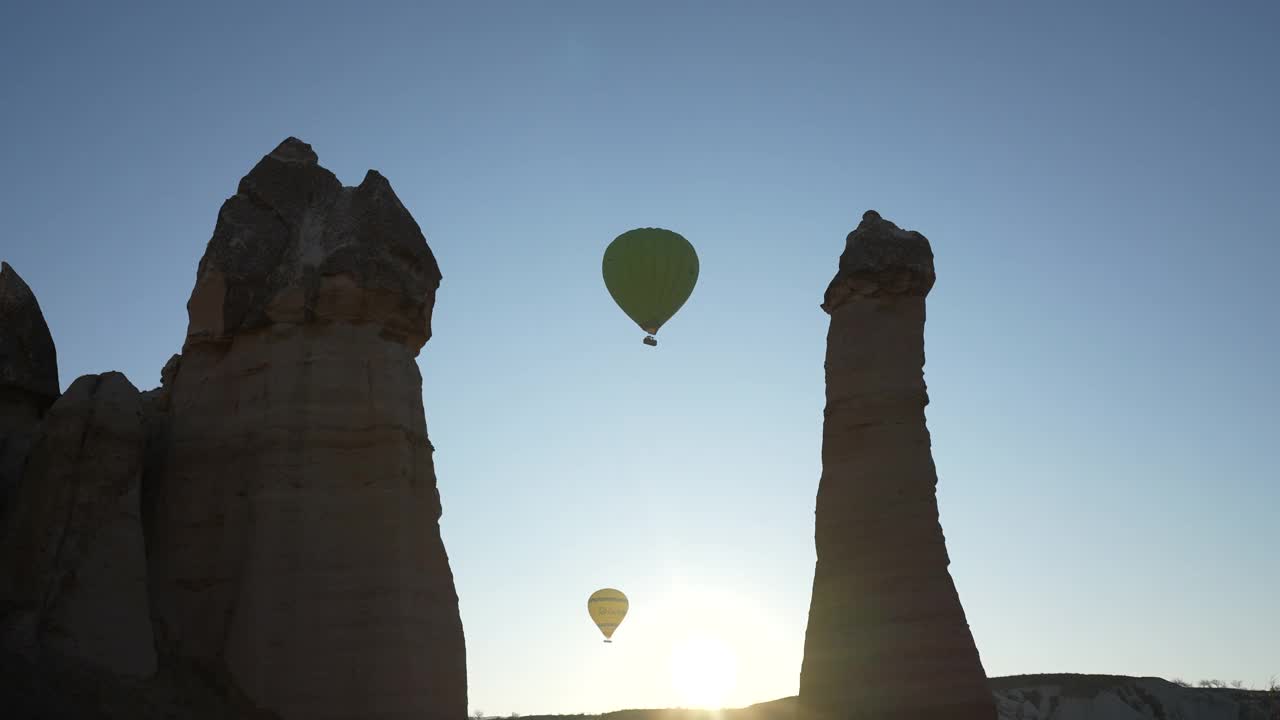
{"x": 1047, "y": 696}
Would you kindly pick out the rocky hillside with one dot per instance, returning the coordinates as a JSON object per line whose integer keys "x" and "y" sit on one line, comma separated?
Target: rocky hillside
{"x": 1038, "y": 697}
{"x": 1111, "y": 697}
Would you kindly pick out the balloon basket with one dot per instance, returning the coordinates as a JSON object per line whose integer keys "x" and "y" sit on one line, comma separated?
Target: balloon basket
{"x": 608, "y": 641}
{"x": 651, "y": 341}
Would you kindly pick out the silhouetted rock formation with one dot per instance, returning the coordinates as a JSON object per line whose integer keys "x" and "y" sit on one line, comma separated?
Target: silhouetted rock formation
{"x": 28, "y": 375}
{"x": 258, "y": 537}
{"x": 887, "y": 638}
{"x": 74, "y": 564}
{"x": 295, "y": 508}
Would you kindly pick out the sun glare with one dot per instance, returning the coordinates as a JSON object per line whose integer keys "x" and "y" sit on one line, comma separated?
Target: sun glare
{"x": 703, "y": 672}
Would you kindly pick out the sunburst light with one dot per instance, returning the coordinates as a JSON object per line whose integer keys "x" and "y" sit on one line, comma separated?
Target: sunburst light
{"x": 703, "y": 672}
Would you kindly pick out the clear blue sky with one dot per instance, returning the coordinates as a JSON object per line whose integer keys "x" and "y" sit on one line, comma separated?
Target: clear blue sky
{"x": 1099, "y": 182}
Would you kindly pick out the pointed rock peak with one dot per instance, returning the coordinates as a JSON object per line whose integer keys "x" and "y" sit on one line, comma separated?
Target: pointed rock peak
{"x": 289, "y": 179}
{"x": 874, "y": 225}
{"x": 293, "y": 150}
{"x": 880, "y": 259}
{"x": 11, "y": 283}
{"x": 375, "y": 181}
{"x": 376, "y": 188}
{"x": 28, "y": 359}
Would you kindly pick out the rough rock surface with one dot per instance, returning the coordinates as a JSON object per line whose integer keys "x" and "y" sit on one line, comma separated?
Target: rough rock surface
{"x": 887, "y": 637}
{"x": 73, "y": 560}
{"x": 28, "y": 375}
{"x": 296, "y": 515}
{"x": 295, "y": 247}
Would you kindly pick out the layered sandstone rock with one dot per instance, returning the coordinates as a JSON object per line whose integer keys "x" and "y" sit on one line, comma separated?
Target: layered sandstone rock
{"x": 296, "y": 515}
{"x": 887, "y": 637}
{"x": 73, "y": 557}
{"x": 28, "y": 376}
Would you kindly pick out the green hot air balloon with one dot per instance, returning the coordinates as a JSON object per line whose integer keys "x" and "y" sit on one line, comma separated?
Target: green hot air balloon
{"x": 650, "y": 272}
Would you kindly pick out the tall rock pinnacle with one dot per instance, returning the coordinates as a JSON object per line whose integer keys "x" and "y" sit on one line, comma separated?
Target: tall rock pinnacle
{"x": 297, "y": 539}
{"x": 887, "y": 637}
{"x": 28, "y": 375}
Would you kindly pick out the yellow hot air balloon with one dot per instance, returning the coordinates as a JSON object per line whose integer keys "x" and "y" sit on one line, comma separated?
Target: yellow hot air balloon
{"x": 607, "y": 608}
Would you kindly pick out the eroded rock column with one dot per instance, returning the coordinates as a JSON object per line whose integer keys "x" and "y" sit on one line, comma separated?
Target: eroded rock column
{"x": 887, "y": 637}
{"x": 297, "y": 518}
{"x": 73, "y": 560}
{"x": 28, "y": 376}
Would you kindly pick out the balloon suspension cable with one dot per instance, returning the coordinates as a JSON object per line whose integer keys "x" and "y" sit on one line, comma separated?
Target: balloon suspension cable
{"x": 651, "y": 341}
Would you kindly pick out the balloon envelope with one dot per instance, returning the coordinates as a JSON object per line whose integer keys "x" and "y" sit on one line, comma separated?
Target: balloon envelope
{"x": 650, "y": 272}
{"x": 607, "y": 608}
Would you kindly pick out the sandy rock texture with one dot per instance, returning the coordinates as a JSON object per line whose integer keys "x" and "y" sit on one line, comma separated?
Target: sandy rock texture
{"x": 887, "y": 637}
{"x": 296, "y": 515}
